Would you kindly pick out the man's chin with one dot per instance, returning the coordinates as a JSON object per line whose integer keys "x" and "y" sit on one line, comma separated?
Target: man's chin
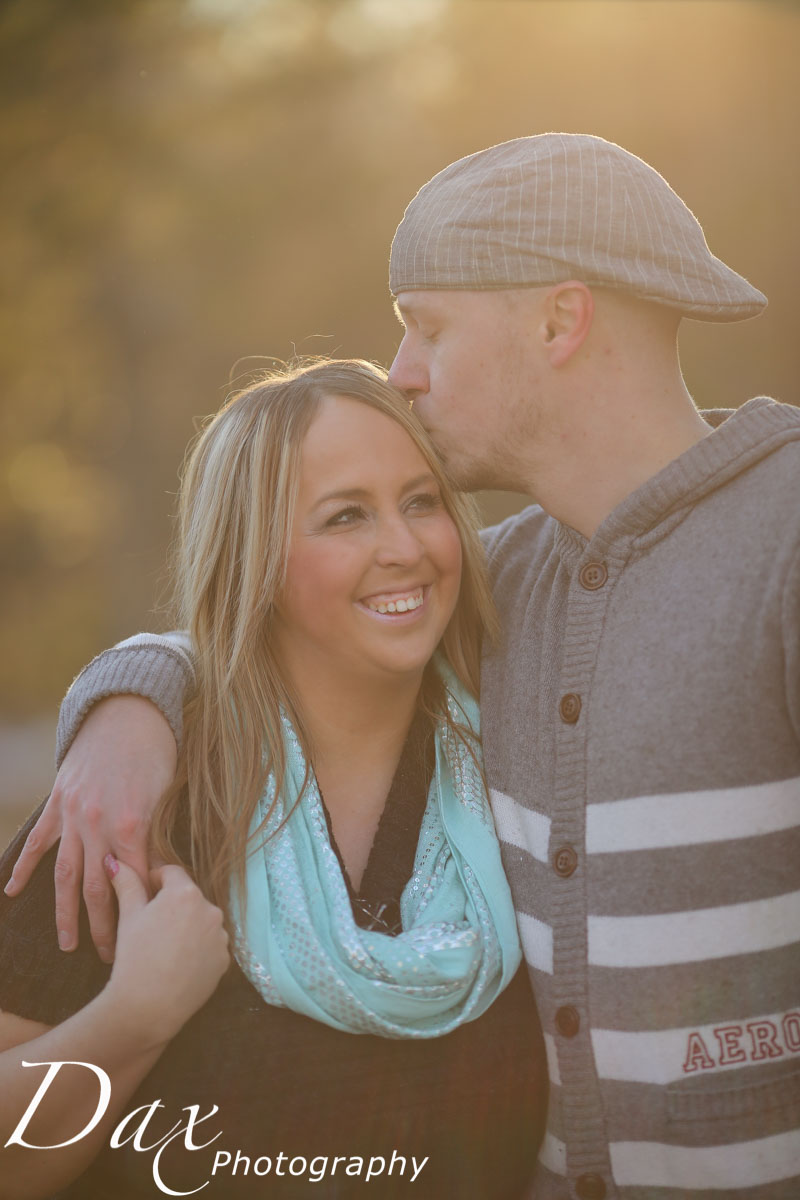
{"x": 462, "y": 476}
{"x": 474, "y": 477}
{"x": 470, "y": 474}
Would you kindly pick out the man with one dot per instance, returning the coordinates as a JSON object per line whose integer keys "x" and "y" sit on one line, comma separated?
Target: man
{"x": 641, "y": 718}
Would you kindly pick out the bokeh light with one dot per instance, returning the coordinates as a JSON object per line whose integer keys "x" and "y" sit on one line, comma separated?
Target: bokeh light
{"x": 190, "y": 184}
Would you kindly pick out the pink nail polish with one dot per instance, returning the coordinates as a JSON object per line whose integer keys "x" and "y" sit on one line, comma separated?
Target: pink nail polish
{"x": 111, "y": 865}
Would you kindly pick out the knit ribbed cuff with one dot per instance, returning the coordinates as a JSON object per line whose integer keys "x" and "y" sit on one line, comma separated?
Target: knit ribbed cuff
{"x": 158, "y": 671}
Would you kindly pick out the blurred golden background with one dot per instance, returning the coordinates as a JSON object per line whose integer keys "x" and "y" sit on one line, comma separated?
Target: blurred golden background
{"x": 191, "y": 185}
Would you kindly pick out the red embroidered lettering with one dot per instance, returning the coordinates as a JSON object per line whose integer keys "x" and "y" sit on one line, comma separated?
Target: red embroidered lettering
{"x": 729, "y": 1049}
{"x": 791, "y": 1031}
{"x": 697, "y": 1056}
{"x": 764, "y": 1036}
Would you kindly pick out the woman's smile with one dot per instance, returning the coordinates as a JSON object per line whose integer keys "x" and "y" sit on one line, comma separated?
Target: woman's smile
{"x": 407, "y": 600}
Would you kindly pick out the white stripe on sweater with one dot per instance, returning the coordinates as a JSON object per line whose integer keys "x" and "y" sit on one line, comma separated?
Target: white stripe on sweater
{"x": 537, "y": 942}
{"x": 553, "y": 1070}
{"x": 667, "y": 1055}
{"x": 707, "y": 933}
{"x": 553, "y": 1155}
{"x": 728, "y": 1168}
{"x": 521, "y": 827}
{"x": 689, "y": 818}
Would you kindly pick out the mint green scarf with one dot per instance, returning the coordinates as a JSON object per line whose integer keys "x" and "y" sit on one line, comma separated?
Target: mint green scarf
{"x": 301, "y": 948}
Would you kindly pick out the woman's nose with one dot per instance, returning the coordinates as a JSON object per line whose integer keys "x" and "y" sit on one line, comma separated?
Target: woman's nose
{"x": 397, "y": 543}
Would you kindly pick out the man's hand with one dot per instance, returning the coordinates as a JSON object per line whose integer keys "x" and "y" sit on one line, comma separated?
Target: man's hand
{"x": 110, "y": 781}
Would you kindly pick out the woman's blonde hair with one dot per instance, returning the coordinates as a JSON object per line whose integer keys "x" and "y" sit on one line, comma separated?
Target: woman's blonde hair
{"x": 237, "y": 502}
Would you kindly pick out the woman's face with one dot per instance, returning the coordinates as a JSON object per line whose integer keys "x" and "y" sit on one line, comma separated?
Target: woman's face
{"x": 374, "y": 561}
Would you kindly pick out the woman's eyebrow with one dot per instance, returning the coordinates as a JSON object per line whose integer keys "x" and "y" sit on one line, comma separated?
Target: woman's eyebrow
{"x": 420, "y": 481}
{"x": 354, "y": 493}
{"x": 360, "y": 493}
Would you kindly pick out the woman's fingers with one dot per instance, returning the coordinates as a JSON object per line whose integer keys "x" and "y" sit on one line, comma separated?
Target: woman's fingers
{"x": 171, "y": 950}
{"x": 131, "y": 848}
{"x": 170, "y": 876}
{"x": 130, "y": 891}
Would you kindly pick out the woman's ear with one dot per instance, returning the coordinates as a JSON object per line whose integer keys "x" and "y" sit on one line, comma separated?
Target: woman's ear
{"x": 567, "y": 319}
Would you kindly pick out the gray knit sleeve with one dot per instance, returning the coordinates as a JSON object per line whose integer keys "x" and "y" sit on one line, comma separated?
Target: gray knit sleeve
{"x": 159, "y": 667}
{"x": 791, "y": 641}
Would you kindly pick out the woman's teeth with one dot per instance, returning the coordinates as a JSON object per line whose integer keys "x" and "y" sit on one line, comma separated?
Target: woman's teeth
{"x": 398, "y": 604}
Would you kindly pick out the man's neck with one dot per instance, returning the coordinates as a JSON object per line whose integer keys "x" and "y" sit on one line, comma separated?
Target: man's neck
{"x": 614, "y": 413}
{"x": 619, "y": 445}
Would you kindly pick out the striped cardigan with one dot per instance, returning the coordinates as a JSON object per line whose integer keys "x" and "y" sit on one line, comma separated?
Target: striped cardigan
{"x": 641, "y": 724}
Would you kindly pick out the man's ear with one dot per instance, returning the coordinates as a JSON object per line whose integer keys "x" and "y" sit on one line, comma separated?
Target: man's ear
{"x": 568, "y": 312}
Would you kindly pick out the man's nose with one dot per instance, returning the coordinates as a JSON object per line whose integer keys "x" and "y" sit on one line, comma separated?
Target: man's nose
{"x": 407, "y": 372}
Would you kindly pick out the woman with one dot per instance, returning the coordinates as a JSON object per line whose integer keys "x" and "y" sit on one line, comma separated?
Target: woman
{"x": 323, "y": 563}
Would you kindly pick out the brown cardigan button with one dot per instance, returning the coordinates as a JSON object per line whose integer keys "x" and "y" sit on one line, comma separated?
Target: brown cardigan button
{"x": 565, "y": 861}
{"x": 593, "y": 575}
{"x": 590, "y": 1187}
{"x": 568, "y": 1021}
{"x": 570, "y": 708}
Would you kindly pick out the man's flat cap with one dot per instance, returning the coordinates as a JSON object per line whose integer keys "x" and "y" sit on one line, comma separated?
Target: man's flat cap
{"x": 541, "y": 210}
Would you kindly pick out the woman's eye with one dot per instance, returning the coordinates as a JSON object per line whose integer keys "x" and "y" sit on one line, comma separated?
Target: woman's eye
{"x": 425, "y": 501}
{"x": 345, "y": 516}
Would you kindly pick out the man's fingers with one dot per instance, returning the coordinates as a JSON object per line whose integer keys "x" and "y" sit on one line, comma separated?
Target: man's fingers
{"x": 43, "y": 835}
{"x": 131, "y": 848}
{"x": 100, "y": 908}
{"x": 68, "y": 871}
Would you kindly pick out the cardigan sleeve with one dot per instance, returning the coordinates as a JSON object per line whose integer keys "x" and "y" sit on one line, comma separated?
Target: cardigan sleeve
{"x": 158, "y": 667}
{"x": 37, "y": 979}
{"x": 791, "y": 642}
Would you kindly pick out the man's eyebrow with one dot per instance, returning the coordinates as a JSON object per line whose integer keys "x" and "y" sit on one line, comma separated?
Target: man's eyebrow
{"x": 413, "y": 311}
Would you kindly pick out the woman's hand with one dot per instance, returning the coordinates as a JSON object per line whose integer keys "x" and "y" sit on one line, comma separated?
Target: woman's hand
{"x": 110, "y": 781}
{"x": 171, "y": 952}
